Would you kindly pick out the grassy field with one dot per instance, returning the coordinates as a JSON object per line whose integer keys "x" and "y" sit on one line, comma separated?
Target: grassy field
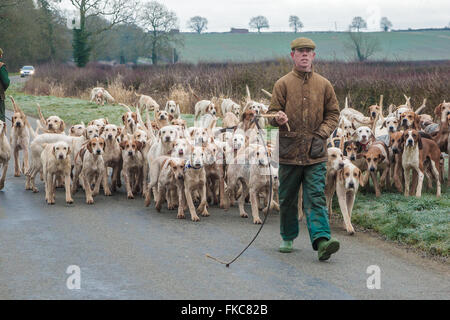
{"x": 422, "y": 223}
{"x": 71, "y": 110}
{"x": 395, "y": 46}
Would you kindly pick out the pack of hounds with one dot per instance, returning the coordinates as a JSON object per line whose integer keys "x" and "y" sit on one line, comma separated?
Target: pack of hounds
{"x": 192, "y": 168}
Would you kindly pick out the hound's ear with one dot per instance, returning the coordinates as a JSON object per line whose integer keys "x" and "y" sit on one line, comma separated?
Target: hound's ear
{"x": 383, "y": 125}
{"x": 106, "y": 121}
{"x": 344, "y": 151}
{"x": 122, "y": 144}
{"x": 123, "y": 119}
{"x": 170, "y": 117}
{"x": 360, "y": 178}
{"x": 139, "y": 145}
{"x": 63, "y": 125}
{"x": 104, "y": 144}
{"x": 69, "y": 150}
{"x": 438, "y": 111}
{"x": 416, "y": 121}
{"x": 72, "y": 129}
{"x": 119, "y": 132}
{"x": 372, "y": 136}
{"x": 340, "y": 175}
{"x": 353, "y": 126}
{"x": 167, "y": 103}
{"x": 100, "y": 131}
{"x": 178, "y": 108}
{"x": 419, "y": 140}
{"x": 54, "y": 151}
{"x": 381, "y": 158}
{"x": 89, "y": 146}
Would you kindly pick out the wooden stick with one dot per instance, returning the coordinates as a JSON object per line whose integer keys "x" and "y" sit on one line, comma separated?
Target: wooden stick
{"x": 273, "y": 116}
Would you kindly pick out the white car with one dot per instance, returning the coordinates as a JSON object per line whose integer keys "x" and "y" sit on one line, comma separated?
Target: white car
{"x": 26, "y": 71}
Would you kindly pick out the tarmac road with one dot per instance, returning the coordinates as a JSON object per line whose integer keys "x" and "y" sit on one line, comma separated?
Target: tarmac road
{"x": 127, "y": 251}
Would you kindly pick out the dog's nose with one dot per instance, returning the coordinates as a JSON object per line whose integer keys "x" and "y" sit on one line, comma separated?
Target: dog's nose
{"x": 352, "y": 158}
{"x": 351, "y": 185}
{"x": 130, "y": 153}
{"x": 110, "y": 136}
{"x": 167, "y": 139}
{"x": 18, "y": 124}
{"x": 372, "y": 169}
{"x": 373, "y": 114}
{"x": 50, "y": 125}
{"x": 180, "y": 177}
{"x": 61, "y": 156}
{"x": 391, "y": 129}
{"x": 341, "y": 165}
{"x": 364, "y": 137}
{"x": 404, "y": 121}
{"x": 99, "y": 151}
{"x": 395, "y": 150}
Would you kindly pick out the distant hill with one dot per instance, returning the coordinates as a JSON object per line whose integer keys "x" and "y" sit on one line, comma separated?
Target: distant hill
{"x": 399, "y": 45}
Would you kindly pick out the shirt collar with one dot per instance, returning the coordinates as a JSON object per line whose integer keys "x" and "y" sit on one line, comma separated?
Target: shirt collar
{"x": 303, "y": 74}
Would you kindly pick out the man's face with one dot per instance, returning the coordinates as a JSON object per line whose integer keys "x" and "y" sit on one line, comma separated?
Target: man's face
{"x": 303, "y": 58}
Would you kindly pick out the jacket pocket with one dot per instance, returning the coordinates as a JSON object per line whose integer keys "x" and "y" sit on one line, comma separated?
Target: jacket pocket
{"x": 288, "y": 147}
{"x": 318, "y": 148}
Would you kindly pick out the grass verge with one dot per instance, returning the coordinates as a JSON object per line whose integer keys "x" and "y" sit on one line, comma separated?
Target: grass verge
{"x": 71, "y": 110}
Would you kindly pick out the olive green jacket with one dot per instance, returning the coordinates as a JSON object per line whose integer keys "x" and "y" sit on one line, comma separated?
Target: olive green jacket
{"x": 4, "y": 80}
{"x": 309, "y": 101}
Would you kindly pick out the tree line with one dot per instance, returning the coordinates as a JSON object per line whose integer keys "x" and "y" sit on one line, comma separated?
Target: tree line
{"x": 39, "y": 31}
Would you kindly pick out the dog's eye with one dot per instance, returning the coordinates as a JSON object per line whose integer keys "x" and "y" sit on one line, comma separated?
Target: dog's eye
{"x": 347, "y": 174}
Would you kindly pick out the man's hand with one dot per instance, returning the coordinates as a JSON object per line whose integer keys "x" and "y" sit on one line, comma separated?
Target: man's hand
{"x": 1, "y": 64}
{"x": 281, "y": 118}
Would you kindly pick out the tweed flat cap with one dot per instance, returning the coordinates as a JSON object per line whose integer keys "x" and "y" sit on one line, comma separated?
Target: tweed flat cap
{"x": 302, "y": 43}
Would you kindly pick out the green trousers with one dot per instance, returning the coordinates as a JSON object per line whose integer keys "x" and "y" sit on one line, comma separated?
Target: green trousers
{"x": 2, "y": 110}
{"x": 312, "y": 178}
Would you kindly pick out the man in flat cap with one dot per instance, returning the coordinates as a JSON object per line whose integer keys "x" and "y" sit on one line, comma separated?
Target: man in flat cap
{"x": 307, "y": 101}
{"x": 4, "y": 84}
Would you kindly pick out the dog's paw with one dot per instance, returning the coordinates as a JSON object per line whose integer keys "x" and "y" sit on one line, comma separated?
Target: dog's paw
{"x": 181, "y": 215}
{"x": 108, "y": 193}
{"x": 244, "y": 215}
{"x": 205, "y": 213}
{"x": 257, "y": 221}
{"x": 90, "y": 201}
{"x": 35, "y": 190}
{"x": 195, "y": 218}
{"x": 70, "y": 201}
{"x": 130, "y": 196}
{"x": 2, "y": 185}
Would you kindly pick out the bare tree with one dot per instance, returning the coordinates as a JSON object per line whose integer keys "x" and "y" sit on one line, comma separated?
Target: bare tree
{"x": 158, "y": 23}
{"x": 363, "y": 45}
{"x": 198, "y": 24}
{"x": 358, "y": 23}
{"x": 259, "y": 22}
{"x": 295, "y": 23}
{"x": 385, "y": 24}
{"x": 114, "y": 12}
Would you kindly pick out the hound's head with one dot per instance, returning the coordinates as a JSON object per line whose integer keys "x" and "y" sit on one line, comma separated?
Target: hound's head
{"x": 412, "y": 139}
{"x": 373, "y": 157}
{"x": 258, "y": 156}
{"x": 179, "y": 122}
{"x": 99, "y": 98}
{"x": 401, "y": 110}
{"x": 55, "y": 124}
{"x": 335, "y": 158}
{"x": 162, "y": 115}
{"x": 171, "y": 107}
{"x": 409, "y": 119}
{"x": 364, "y": 135}
{"x": 130, "y": 147}
{"x": 77, "y": 130}
{"x": 180, "y": 148}
{"x": 111, "y": 132}
{"x": 61, "y": 150}
{"x": 18, "y": 120}
{"x": 100, "y": 123}
{"x": 352, "y": 149}
{"x": 391, "y": 123}
{"x": 350, "y": 176}
{"x": 197, "y": 157}
{"x": 211, "y": 109}
{"x": 168, "y": 134}
{"x": 442, "y": 110}
{"x": 140, "y": 135}
{"x": 374, "y": 110}
{"x": 237, "y": 141}
{"x": 129, "y": 120}
{"x": 91, "y": 132}
{"x": 177, "y": 167}
{"x": 200, "y": 136}
{"x": 396, "y": 142}
{"x": 254, "y": 106}
{"x": 96, "y": 146}
{"x": 236, "y": 109}
{"x": 347, "y": 127}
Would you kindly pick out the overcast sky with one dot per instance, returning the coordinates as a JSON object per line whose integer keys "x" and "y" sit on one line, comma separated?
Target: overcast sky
{"x": 322, "y": 15}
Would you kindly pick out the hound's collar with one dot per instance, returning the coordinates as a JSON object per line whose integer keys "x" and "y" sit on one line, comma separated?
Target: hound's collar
{"x": 188, "y": 166}
{"x": 365, "y": 146}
